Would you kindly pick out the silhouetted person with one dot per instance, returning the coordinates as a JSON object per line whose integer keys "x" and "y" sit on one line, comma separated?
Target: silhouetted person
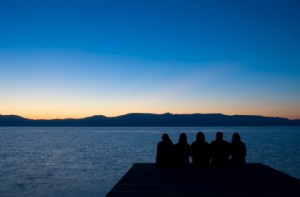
{"x": 238, "y": 150}
{"x": 200, "y": 151}
{"x": 182, "y": 151}
{"x": 220, "y": 151}
{"x": 165, "y": 151}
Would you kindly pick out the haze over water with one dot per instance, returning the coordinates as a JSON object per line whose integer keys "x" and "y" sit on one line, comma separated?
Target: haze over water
{"x": 69, "y": 161}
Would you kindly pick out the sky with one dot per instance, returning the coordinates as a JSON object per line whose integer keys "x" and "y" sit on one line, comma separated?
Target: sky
{"x": 73, "y": 59}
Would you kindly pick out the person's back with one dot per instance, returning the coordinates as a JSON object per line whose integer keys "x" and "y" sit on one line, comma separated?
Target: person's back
{"x": 165, "y": 151}
{"x": 238, "y": 150}
{"x": 182, "y": 151}
{"x": 200, "y": 151}
{"x": 220, "y": 151}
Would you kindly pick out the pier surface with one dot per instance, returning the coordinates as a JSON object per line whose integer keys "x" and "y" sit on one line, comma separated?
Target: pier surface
{"x": 254, "y": 179}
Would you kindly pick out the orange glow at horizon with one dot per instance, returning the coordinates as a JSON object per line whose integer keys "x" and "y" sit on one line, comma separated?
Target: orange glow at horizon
{"x": 55, "y": 114}
{"x": 204, "y": 88}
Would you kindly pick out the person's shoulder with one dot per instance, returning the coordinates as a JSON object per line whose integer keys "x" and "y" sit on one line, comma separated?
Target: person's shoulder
{"x": 227, "y": 143}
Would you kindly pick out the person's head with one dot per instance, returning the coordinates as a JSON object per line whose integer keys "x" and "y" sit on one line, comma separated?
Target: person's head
{"x": 236, "y": 138}
{"x": 183, "y": 138}
{"x": 219, "y": 136}
{"x": 200, "y": 136}
{"x": 165, "y": 137}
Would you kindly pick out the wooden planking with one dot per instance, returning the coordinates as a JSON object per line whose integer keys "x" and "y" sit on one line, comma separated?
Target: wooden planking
{"x": 254, "y": 179}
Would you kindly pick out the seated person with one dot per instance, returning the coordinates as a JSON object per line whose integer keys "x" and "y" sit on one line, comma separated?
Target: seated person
{"x": 238, "y": 150}
{"x": 165, "y": 151}
{"x": 220, "y": 151}
{"x": 200, "y": 151}
{"x": 182, "y": 151}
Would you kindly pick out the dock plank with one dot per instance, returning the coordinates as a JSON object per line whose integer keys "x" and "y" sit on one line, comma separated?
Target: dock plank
{"x": 254, "y": 179}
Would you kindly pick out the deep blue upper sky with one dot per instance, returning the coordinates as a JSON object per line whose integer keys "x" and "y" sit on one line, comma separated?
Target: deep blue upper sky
{"x": 256, "y": 42}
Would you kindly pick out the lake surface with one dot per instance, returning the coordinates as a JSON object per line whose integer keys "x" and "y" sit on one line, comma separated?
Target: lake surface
{"x": 47, "y": 161}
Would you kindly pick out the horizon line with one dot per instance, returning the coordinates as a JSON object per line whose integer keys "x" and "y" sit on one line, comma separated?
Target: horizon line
{"x": 146, "y": 113}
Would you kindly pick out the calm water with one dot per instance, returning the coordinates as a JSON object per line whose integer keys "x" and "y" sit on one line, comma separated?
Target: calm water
{"x": 89, "y": 161}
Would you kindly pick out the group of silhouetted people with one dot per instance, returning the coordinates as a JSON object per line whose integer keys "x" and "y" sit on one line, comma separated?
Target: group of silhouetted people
{"x": 218, "y": 153}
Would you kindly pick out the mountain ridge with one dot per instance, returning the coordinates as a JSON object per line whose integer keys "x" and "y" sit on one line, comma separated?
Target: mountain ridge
{"x": 153, "y": 120}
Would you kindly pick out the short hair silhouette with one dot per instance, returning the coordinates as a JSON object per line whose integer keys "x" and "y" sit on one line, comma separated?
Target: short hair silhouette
{"x": 200, "y": 151}
{"x": 200, "y": 137}
{"x": 220, "y": 151}
{"x": 165, "y": 137}
{"x": 219, "y": 136}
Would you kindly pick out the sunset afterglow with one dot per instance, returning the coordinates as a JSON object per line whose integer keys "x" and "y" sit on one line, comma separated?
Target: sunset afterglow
{"x": 72, "y": 60}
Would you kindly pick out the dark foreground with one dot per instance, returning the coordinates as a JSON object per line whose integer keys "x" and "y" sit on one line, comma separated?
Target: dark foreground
{"x": 254, "y": 179}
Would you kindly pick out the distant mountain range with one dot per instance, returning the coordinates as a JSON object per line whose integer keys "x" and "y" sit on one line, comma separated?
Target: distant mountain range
{"x": 153, "y": 120}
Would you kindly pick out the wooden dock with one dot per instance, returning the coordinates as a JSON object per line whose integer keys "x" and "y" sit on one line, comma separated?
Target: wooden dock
{"x": 254, "y": 179}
